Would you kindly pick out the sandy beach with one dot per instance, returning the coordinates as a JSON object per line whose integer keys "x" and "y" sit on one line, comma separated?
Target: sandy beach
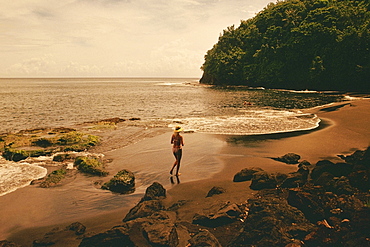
{"x": 208, "y": 161}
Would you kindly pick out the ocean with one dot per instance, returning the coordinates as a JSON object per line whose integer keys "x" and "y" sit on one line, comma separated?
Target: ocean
{"x": 62, "y": 102}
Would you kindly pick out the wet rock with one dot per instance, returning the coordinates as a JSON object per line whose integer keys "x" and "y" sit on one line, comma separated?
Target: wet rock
{"x": 216, "y": 191}
{"x": 246, "y": 174}
{"x": 204, "y": 238}
{"x": 123, "y": 182}
{"x": 263, "y": 180}
{"x": 116, "y": 237}
{"x": 289, "y": 158}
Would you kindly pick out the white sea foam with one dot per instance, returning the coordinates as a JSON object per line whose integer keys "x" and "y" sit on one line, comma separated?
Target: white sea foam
{"x": 17, "y": 175}
{"x": 251, "y": 123}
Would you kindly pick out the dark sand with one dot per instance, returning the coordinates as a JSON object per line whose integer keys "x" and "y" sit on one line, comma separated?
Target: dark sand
{"x": 208, "y": 160}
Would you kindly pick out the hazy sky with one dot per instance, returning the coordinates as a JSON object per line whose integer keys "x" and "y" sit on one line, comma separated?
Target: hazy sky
{"x": 52, "y": 38}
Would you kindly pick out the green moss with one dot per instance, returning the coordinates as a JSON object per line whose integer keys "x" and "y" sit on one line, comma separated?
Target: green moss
{"x": 17, "y": 155}
{"x": 54, "y": 178}
{"x": 90, "y": 165}
{"x": 13, "y": 144}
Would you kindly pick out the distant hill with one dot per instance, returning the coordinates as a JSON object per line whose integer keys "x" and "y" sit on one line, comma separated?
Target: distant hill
{"x": 296, "y": 44}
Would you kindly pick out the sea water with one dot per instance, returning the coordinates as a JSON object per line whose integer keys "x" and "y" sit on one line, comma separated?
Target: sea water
{"x": 35, "y": 103}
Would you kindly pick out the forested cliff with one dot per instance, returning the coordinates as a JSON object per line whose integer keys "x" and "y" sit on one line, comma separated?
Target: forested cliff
{"x": 296, "y": 44}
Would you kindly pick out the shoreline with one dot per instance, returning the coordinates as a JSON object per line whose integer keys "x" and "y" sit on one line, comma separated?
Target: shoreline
{"x": 344, "y": 130}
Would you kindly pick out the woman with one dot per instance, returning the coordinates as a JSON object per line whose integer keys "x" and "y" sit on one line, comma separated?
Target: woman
{"x": 177, "y": 143}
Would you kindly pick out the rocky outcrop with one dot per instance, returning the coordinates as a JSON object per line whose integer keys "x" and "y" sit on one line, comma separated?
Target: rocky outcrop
{"x": 123, "y": 182}
{"x": 272, "y": 222}
{"x": 289, "y": 158}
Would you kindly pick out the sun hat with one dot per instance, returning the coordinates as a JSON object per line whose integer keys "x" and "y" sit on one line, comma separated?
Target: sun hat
{"x": 178, "y": 129}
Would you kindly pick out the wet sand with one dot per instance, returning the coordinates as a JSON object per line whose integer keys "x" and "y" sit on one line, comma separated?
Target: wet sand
{"x": 208, "y": 160}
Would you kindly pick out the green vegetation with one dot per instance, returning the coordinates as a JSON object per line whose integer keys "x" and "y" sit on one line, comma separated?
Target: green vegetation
{"x": 53, "y": 178}
{"x": 24, "y": 144}
{"x": 90, "y": 165}
{"x": 300, "y": 44}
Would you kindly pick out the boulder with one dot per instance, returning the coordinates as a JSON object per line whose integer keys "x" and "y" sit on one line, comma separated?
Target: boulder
{"x": 293, "y": 180}
{"x": 216, "y": 191}
{"x": 160, "y": 230}
{"x": 307, "y": 203}
{"x": 123, "y": 182}
{"x": 337, "y": 170}
{"x": 289, "y": 158}
{"x": 204, "y": 238}
{"x": 263, "y": 180}
{"x": 246, "y": 174}
{"x": 154, "y": 192}
{"x": 144, "y": 209}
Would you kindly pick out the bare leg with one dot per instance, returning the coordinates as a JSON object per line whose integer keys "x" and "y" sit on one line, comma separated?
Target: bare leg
{"x": 175, "y": 164}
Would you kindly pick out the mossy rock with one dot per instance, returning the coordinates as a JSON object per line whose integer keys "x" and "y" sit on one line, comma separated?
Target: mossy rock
{"x": 123, "y": 182}
{"x": 54, "y": 178}
{"x": 19, "y": 154}
{"x": 90, "y": 165}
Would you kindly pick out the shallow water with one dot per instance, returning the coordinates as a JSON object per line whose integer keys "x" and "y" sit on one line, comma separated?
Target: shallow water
{"x": 35, "y": 103}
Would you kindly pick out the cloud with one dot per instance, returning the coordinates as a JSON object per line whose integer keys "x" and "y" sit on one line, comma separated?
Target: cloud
{"x": 113, "y": 37}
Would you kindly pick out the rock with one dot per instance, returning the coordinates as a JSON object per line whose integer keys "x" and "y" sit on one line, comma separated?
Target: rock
{"x": 6, "y": 243}
{"x": 160, "y": 229}
{"x": 272, "y": 222}
{"x": 226, "y": 214}
{"x": 360, "y": 180}
{"x": 154, "y": 192}
{"x": 304, "y": 163}
{"x": 246, "y": 174}
{"x": 115, "y": 237}
{"x": 204, "y": 238}
{"x": 123, "y": 182}
{"x": 337, "y": 170}
{"x": 144, "y": 209}
{"x": 90, "y": 165}
{"x": 289, "y": 158}
{"x": 263, "y": 180}
{"x": 77, "y": 227}
{"x": 294, "y": 180}
{"x": 307, "y": 203}
{"x": 216, "y": 191}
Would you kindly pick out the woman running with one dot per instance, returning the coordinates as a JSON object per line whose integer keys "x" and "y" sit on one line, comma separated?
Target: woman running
{"x": 177, "y": 142}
